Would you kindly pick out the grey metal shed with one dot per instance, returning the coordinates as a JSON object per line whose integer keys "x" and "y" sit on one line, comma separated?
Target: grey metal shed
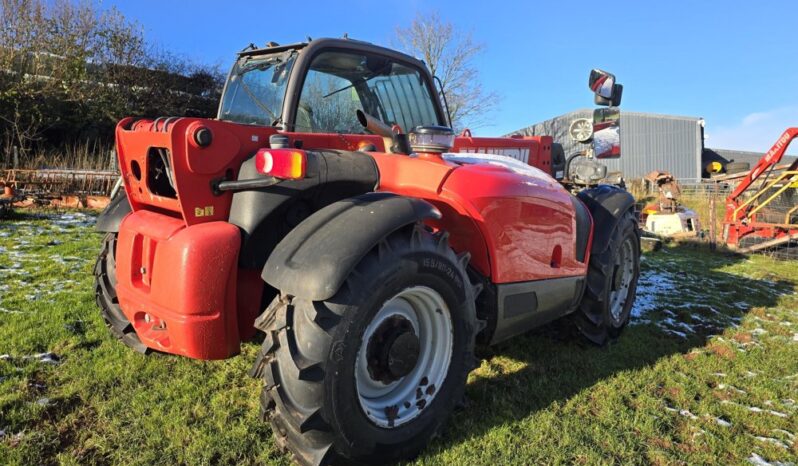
{"x": 648, "y": 142}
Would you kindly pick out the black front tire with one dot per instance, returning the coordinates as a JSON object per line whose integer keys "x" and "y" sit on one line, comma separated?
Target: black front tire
{"x": 594, "y": 317}
{"x": 309, "y": 354}
{"x": 105, "y": 296}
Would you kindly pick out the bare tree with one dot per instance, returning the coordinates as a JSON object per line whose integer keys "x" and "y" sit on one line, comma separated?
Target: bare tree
{"x": 449, "y": 54}
{"x": 70, "y": 70}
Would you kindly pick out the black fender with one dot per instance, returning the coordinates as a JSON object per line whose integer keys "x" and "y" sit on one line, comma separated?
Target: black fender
{"x": 315, "y": 258}
{"x": 112, "y": 215}
{"x": 607, "y": 204}
{"x": 266, "y": 215}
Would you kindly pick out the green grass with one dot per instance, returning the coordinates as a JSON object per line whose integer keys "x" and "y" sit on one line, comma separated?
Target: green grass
{"x": 708, "y": 373}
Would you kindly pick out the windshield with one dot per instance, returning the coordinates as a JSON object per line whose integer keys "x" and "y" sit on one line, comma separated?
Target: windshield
{"x": 256, "y": 89}
{"x": 340, "y": 83}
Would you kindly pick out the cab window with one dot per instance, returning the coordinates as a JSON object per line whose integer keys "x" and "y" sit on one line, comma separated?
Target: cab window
{"x": 340, "y": 83}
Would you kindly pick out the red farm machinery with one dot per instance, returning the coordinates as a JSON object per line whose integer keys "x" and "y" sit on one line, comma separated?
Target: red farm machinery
{"x": 762, "y": 210}
{"x": 331, "y": 207}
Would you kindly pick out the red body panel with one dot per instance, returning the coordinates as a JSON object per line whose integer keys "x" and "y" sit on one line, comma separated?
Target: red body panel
{"x": 516, "y": 227}
{"x": 528, "y": 224}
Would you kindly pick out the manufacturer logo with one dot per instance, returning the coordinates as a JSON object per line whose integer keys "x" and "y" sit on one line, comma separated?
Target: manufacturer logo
{"x": 206, "y": 211}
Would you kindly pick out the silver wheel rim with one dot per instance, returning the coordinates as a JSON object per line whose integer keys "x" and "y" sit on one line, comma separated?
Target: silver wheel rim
{"x": 623, "y": 273}
{"x": 393, "y": 404}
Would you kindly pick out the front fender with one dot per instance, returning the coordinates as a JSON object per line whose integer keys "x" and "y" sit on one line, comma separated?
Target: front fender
{"x": 607, "y": 204}
{"x": 315, "y": 258}
{"x": 112, "y": 215}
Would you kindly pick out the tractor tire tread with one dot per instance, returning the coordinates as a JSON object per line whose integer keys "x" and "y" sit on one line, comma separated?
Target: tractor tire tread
{"x": 107, "y": 300}
{"x": 292, "y": 359}
{"x": 591, "y": 317}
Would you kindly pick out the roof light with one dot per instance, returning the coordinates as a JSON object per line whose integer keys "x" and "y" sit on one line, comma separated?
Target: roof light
{"x": 286, "y": 164}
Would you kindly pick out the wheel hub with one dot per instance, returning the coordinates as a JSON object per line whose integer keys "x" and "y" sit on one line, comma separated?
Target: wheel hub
{"x": 623, "y": 274}
{"x": 404, "y": 356}
{"x": 393, "y": 350}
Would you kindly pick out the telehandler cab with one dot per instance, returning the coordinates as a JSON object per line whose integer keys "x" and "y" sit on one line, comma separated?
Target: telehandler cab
{"x": 331, "y": 192}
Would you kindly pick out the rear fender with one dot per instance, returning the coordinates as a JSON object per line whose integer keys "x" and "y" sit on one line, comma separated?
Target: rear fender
{"x": 315, "y": 258}
{"x": 266, "y": 215}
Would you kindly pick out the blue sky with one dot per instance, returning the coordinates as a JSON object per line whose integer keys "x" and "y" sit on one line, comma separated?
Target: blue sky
{"x": 734, "y": 63}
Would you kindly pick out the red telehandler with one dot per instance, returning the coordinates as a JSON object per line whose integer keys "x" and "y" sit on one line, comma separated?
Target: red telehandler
{"x": 763, "y": 213}
{"x": 331, "y": 192}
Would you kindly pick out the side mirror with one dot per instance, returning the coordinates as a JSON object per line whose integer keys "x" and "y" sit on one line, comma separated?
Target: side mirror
{"x": 607, "y": 91}
{"x": 607, "y": 133}
{"x": 602, "y": 83}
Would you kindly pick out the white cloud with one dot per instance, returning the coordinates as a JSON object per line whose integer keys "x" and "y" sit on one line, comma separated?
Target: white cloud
{"x": 755, "y": 132}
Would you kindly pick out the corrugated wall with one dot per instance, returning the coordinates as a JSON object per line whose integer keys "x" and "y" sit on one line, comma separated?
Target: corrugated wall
{"x": 648, "y": 142}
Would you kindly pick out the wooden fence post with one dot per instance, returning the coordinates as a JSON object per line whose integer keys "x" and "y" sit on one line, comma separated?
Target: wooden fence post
{"x": 712, "y": 214}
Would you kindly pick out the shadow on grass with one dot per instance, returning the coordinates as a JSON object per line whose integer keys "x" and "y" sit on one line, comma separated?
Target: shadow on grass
{"x": 531, "y": 372}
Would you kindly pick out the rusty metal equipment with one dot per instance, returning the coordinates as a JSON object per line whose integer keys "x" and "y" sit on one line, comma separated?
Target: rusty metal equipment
{"x": 667, "y": 217}
{"x": 56, "y": 187}
{"x": 61, "y": 182}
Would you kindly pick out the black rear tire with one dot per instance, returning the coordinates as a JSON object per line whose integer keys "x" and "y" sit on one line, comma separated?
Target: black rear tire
{"x": 595, "y": 317}
{"x": 105, "y": 296}
{"x": 309, "y": 355}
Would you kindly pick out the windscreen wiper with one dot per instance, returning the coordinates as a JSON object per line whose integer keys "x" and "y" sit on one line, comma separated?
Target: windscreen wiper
{"x": 257, "y": 101}
{"x": 361, "y": 81}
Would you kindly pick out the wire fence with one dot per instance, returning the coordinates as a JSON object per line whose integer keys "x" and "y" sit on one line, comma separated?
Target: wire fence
{"x": 774, "y": 202}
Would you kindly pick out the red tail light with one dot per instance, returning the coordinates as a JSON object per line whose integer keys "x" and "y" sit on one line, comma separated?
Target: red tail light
{"x": 286, "y": 164}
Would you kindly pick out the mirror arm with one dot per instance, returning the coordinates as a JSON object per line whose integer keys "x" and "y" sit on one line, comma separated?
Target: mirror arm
{"x": 445, "y": 103}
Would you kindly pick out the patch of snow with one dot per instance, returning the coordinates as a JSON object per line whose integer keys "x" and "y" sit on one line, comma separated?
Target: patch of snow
{"x": 682, "y": 412}
{"x": 674, "y": 332}
{"x": 757, "y": 460}
{"x": 722, "y": 422}
{"x": 772, "y": 440}
{"x": 687, "y": 413}
{"x": 74, "y": 219}
{"x": 651, "y": 287}
{"x": 754, "y": 409}
{"x": 723, "y": 386}
{"x": 790, "y": 436}
{"x": 677, "y": 324}
{"x": 44, "y": 358}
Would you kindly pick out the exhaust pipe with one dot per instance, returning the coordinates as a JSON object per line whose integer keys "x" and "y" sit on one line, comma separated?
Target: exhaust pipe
{"x": 373, "y": 125}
